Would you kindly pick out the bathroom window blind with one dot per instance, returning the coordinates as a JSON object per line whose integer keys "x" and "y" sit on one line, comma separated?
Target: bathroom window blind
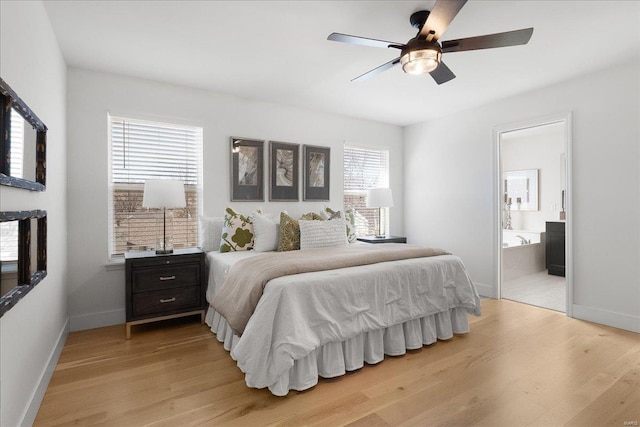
{"x": 142, "y": 150}
{"x": 365, "y": 168}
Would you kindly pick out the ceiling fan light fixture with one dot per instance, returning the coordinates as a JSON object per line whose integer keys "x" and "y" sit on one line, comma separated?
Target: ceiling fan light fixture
{"x": 420, "y": 60}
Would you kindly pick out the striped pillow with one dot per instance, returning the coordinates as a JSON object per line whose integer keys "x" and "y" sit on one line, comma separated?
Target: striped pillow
{"x": 322, "y": 234}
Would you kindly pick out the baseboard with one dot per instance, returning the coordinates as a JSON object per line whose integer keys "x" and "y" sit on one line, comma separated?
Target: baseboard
{"x": 486, "y": 290}
{"x": 605, "y": 317}
{"x": 97, "y": 320}
{"x": 38, "y": 395}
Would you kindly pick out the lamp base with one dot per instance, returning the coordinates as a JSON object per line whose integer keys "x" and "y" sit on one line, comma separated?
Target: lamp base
{"x": 164, "y": 245}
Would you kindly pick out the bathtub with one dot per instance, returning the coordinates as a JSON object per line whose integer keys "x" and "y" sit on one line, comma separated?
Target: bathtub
{"x": 518, "y": 237}
{"x": 523, "y": 253}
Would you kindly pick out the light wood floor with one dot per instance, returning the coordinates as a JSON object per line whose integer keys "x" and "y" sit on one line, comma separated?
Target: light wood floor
{"x": 519, "y": 366}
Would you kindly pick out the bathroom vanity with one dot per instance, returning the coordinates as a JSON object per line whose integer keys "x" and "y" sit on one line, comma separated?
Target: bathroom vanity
{"x": 555, "y": 248}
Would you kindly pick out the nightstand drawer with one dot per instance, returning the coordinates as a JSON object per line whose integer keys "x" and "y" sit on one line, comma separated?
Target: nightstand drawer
{"x": 165, "y": 277}
{"x": 166, "y": 301}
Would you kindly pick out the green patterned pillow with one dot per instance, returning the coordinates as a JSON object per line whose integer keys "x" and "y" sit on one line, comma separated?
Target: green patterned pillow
{"x": 350, "y": 214}
{"x": 330, "y": 214}
{"x": 311, "y": 216}
{"x": 237, "y": 232}
{"x": 289, "y": 239}
{"x": 350, "y": 219}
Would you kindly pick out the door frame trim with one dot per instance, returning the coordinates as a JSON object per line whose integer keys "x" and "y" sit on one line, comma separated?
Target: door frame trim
{"x": 565, "y": 118}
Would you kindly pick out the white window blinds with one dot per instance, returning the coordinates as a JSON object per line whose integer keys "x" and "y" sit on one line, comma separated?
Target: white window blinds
{"x": 143, "y": 150}
{"x": 365, "y": 168}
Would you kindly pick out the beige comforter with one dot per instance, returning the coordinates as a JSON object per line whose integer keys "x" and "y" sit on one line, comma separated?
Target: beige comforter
{"x": 239, "y": 295}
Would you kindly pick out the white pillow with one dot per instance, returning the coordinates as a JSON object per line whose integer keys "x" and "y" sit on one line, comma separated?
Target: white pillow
{"x": 322, "y": 234}
{"x": 266, "y": 233}
{"x": 210, "y": 230}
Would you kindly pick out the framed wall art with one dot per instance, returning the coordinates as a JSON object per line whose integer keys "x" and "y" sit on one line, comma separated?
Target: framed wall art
{"x": 247, "y": 170}
{"x": 317, "y": 164}
{"x": 284, "y": 165}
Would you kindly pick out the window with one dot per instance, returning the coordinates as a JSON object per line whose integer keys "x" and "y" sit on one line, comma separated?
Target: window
{"x": 143, "y": 150}
{"x": 365, "y": 168}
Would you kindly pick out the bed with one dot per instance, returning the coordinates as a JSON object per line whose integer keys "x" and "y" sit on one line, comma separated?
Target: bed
{"x": 324, "y": 323}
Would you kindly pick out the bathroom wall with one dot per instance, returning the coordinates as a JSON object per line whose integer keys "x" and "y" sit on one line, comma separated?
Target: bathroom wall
{"x": 536, "y": 148}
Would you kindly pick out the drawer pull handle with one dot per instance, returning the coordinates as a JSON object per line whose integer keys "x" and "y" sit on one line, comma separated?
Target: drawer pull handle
{"x": 168, "y": 300}
{"x": 167, "y": 278}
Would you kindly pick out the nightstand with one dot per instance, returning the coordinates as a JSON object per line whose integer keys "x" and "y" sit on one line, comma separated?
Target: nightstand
{"x": 161, "y": 287}
{"x": 385, "y": 239}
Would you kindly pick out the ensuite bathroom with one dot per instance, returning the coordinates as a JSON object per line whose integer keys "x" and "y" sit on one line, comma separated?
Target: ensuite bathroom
{"x": 534, "y": 182}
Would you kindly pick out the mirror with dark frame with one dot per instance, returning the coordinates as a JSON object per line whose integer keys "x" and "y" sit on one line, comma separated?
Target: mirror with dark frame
{"x": 23, "y": 254}
{"x": 23, "y": 139}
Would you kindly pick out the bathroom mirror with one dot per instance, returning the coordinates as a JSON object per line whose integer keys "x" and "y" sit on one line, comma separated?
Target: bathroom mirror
{"x": 23, "y": 254}
{"x": 22, "y": 143}
{"x": 521, "y": 190}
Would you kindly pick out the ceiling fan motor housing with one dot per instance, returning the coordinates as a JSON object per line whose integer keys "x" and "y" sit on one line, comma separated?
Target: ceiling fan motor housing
{"x": 418, "y": 19}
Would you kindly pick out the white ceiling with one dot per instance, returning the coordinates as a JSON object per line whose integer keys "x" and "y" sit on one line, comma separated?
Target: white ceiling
{"x": 277, "y": 51}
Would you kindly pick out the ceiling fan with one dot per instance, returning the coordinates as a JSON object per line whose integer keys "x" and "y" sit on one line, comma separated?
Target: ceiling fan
{"x": 423, "y": 53}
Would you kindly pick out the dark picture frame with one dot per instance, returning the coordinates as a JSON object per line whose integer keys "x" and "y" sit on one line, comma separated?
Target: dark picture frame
{"x": 284, "y": 171}
{"x": 317, "y": 165}
{"x": 36, "y": 135}
{"x": 29, "y": 271}
{"x": 247, "y": 170}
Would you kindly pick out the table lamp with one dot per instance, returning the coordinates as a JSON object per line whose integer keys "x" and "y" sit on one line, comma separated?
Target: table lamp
{"x": 379, "y": 198}
{"x": 164, "y": 194}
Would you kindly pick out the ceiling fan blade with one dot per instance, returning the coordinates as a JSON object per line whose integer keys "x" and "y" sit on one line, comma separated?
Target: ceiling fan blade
{"x": 377, "y": 70}
{"x": 489, "y": 41}
{"x": 442, "y": 74}
{"x": 364, "y": 41}
{"x": 440, "y": 17}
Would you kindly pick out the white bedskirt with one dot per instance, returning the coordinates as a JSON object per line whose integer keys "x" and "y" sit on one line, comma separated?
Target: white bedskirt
{"x": 335, "y": 358}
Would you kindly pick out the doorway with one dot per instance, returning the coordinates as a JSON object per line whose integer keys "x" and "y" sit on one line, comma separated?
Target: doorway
{"x": 533, "y": 215}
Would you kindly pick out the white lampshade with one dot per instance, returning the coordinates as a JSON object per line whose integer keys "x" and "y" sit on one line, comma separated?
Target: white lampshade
{"x": 379, "y": 198}
{"x": 163, "y": 193}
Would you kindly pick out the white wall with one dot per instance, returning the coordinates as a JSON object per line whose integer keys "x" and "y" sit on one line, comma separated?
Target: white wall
{"x": 522, "y": 150}
{"x": 96, "y": 294}
{"x": 31, "y": 63}
{"x": 449, "y": 167}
